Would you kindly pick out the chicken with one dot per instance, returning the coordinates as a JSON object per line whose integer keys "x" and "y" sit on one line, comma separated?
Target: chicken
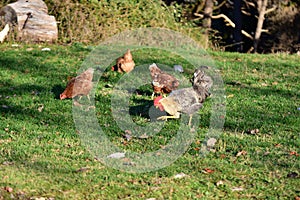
{"x": 201, "y": 79}
{"x": 162, "y": 82}
{"x": 4, "y": 33}
{"x": 125, "y": 63}
{"x": 80, "y": 85}
{"x": 186, "y": 100}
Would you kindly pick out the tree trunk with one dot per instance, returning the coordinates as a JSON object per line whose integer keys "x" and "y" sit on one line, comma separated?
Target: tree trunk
{"x": 32, "y": 20}
{"x": 208, "y": 11}
{"x": 261, "y": 6}
{"x": 237, "y": 34}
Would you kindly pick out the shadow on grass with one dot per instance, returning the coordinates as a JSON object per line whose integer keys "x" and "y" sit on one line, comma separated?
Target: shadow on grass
{"x": 57, "y": 90}
{"x": 142, "y": 109}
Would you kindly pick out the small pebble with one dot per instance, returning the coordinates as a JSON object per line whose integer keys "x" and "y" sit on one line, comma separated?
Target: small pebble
{"x": 178, "y": 68}
{"x": 46, "y": 49}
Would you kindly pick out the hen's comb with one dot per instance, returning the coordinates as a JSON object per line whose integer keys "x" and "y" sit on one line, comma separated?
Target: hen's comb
{"x": 157, "y": 99}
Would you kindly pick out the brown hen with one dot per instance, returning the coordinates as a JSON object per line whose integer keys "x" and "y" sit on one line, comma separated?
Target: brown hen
{"x": 80, "y": 85}
{"x": 124, "y": 63}
{"x": 162, "y": 82}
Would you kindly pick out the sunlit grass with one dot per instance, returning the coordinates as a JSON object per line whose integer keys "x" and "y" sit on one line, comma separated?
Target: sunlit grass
{"x": 42, "y": 155}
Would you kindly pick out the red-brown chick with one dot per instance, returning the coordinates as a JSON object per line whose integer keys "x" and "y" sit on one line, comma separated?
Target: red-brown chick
{"x": 125, "y": 63}
{"x": 185, "y": 100}
{"x": 162, "y": 82}
{"x": 80, "y": 85}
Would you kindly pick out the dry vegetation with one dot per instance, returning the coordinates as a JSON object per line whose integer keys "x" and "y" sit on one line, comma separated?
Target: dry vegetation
{"x": 91, "y": 21}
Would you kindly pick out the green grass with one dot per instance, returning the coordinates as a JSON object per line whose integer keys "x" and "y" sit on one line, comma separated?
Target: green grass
{"x": 42, "y": 155}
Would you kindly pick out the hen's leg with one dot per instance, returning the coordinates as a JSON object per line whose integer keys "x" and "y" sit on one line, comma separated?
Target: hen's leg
{"x": 190, "y": 120}
{"x": 176, "y": 116}
{"x": 152, "y": 97}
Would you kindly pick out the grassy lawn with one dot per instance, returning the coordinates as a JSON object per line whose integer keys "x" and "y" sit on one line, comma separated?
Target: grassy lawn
{"x": 42, "y": 155}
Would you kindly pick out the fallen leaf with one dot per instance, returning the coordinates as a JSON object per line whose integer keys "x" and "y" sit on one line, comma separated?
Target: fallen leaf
{"x": 128, "y": 137}
{"x": 264, "y": 84}
{"x": 294, "y": 153}
{"x": 211, "y": 142}
{"x": 237, "y": 189}
{"x": 117, "y": 155}
{"x": 220, "y": 183}
{"x": 208, "y": 171}
{"x": 8, "y": 189}
{"x": 144, "y": 136}
{"x": 278, "y": 145}
{"x": 7, "y": 163}
{"x": 241, "y": 153}
{"x": 180, "y": 175}
{"x": 39, "y": 198}
{"x": 41, "y": 107}
{"x": 230, "y": 95}
{"x": 83, "y": 169}
{"x": 222, "y": 156}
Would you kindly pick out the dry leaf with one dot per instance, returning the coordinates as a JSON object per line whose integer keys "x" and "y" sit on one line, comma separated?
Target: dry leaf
{"x": 117, "y": 155}
{"x": 277, "y": 145}
{"x": 294, "y": 153}
{"x": 8, "y": 189}
{"x": 220, "y": 183}
{"x": 230, "y": 95}
{"x": 144, "y": 136}
{"x": 41, "y": 107}
{"x": 208, "y": 171}
{"x": 83, "y": 169}
{"x": 180, "y": 175}
{"x": 211, "y": 142}
{"x": 237, "y": 189}
{"x": 241, "y": 153}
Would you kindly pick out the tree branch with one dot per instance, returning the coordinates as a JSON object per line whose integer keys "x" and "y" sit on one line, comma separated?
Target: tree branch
{"x": 270, "y": 9}
{"x": 220, "y": 5}
{"x": 226, "y": 19}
